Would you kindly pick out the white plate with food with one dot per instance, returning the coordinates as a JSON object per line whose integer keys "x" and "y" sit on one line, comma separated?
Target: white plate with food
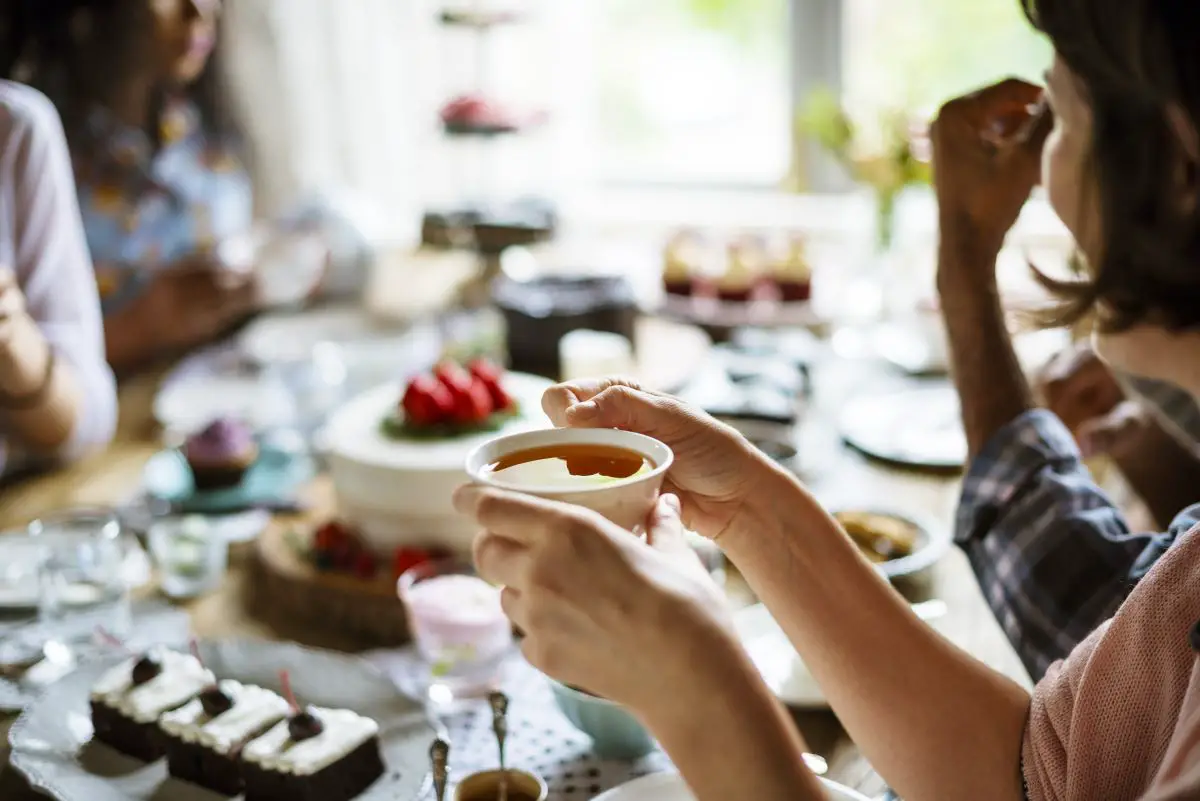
{"x": 284, "y": 337}
{"x": 919, "y": 427}
{"x": 671, "y": 787}
{"x": 898, "y": 544}
{"x": 779, "y": 664}
{"x": 53, "y": 744}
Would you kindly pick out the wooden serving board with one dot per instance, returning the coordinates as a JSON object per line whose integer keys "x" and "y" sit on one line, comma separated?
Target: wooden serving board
{"x": 286, "y": 585}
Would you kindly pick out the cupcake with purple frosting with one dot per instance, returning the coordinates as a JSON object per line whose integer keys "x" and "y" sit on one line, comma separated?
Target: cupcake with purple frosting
{"x": 220, "y": 454}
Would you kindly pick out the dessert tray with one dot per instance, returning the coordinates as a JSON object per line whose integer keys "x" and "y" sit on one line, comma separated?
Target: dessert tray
{"x": 716, "y": 313}
{"x": 52, "y": 741}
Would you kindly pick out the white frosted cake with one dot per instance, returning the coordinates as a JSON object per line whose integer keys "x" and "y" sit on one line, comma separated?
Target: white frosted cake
{"x": 316, "y": 755}
{"x": 394, "y": 476}
{"x": 204, "y": 737}
{"x": 251, "y": 710}
{"x": 342, "y": 732}
{"x": 129, "y": 698}
{"x": 180, "y": 678}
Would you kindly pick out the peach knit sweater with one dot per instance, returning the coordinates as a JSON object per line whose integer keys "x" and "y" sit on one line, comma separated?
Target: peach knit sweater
{"x": 1119, "y": 719}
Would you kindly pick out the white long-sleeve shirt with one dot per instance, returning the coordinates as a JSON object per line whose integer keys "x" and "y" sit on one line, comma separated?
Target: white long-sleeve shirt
{"x": 42, "y": 240}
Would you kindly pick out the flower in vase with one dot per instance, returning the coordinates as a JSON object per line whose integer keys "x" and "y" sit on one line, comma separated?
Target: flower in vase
{"x": 888, "y": 158}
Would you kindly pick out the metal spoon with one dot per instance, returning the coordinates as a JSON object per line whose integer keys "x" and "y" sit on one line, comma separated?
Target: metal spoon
{"x": 499, "y": 704}
{"x": 931, "y": 610}
{"x": 439, "y": 758}
{"x": 816, "y": 764}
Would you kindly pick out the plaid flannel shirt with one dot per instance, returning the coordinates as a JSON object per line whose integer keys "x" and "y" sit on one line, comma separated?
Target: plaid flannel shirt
{"x": 1053, "y": 555}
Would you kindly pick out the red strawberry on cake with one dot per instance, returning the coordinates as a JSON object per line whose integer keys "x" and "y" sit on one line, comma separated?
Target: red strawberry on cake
{"x": 452, "y": 401}
{"x": 427, "y": 401}
{"x": 471, "y": 403}
{"x": 489, "y": 375}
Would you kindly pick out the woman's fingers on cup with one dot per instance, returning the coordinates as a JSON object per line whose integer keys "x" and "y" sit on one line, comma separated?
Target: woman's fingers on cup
{"x": 501, "y": 561}
{"x": 623, "y": 406}
{"x": 664, "y": 528}
{"x": 512, "y": 603}
{"x": 514, "y": 515}
{"x": 560, "y": 398}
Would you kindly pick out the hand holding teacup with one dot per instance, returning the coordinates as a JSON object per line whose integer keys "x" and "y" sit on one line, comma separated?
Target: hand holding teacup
{"x": 619, "y": 616}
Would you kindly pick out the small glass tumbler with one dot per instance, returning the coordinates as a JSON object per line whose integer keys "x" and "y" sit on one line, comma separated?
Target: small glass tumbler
{"x": 190, "y": 556}
{"x": 460, "y": 630}
{"x": 82, "y": 589}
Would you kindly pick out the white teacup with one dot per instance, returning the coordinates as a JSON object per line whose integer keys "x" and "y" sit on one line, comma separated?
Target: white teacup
{"x": 624, "y": 501}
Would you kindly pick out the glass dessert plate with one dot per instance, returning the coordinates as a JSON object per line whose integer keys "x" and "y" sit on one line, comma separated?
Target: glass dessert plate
{"x": 52, "y": 748}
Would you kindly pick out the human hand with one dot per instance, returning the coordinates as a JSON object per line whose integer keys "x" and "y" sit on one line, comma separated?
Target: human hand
{"x": 600, "y": 608}
{"x": 986, "y": 160}
{"x": 12, "y": 305}
{"x": 194, "y": 301}
{"x": 715, "y": 467}
{"x": 1079, "y": 387}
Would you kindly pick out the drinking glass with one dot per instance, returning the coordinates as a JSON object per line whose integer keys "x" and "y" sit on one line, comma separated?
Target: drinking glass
{"x": 461, "y": 633}
{"x": 81, "y": 586}
{"x": 313, "y": 386}
{"x": 191, "y": 557}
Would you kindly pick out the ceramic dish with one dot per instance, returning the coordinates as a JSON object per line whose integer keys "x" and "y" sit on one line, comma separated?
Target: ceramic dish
{"x": 670, "y": 787}
{"x": 273, "y": 479}
{"x": 780, "y": 665}
{"x": 930, "y": 541}
{"x": 51, "y": 742}
{"x": 288, "y": 336}
{"x": 615, "y": 733}
{"x": 918, "y": 427}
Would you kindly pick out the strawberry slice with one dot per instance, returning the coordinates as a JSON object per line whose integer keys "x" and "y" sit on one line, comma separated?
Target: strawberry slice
{"x": 328, "y": 535}
{"x": 406, "y": 558}
{"x": 472, "y": 403}
{"x": 484, "y": 370}
{"x": 490, "y": 376}
{"x": 451, "y": 375}
{"x": 427, "y": 402}
{"x": 364, "y": 565}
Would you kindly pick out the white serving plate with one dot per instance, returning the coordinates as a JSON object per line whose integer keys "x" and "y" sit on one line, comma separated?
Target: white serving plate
{"x": 187, "y": 404}
{"x": 779, "y": 664}
{"x": 51, "y": 742}
{"x": 398, "y": 492}
{"x": 670, "y": 787}
{"x": 919, "y": 427}
{"x": 777, "y": 660}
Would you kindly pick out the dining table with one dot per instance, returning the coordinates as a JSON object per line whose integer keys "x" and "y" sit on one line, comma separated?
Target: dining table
{"x": 114, "y": 475}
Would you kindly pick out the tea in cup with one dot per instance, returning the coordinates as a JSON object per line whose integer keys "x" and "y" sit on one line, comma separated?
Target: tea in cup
{"x": 613, "y": 472}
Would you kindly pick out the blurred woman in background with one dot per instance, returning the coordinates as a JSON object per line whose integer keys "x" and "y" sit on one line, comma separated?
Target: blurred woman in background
{"x": 158, "y": 164}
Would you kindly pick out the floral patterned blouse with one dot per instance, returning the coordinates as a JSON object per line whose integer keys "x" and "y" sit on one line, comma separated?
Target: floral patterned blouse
{"x": 146, "y": 207}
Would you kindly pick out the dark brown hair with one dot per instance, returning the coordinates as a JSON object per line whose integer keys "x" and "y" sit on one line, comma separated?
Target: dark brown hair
{"x": 1134, "y": 60}
{"x": 41, "y": 44}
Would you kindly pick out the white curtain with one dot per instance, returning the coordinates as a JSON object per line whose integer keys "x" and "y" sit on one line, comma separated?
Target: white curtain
{"x": 340, "y": 100}
{"x": 330, "y": 95}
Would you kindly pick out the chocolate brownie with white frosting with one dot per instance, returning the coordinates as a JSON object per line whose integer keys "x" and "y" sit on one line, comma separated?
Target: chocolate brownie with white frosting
{"x": 128, "y": 699}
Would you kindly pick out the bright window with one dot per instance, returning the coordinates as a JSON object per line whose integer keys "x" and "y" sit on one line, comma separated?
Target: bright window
{"x": 693, "y": 91}
{"x": 702, "y": 92}
{"x": 914, "y": 54}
